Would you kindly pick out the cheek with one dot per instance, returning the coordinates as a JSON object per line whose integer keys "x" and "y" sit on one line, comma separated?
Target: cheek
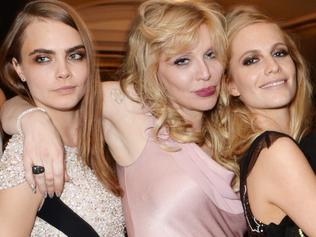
{"x": 173, "y": 81}
{"x": 217, "y": 71}
{"x": 37, "y": 87}
{"x": 80, "y": 72}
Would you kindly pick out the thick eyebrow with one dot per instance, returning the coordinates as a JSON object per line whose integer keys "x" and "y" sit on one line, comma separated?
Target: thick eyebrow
{"x": 81, "y": 46}
{"x": 48, "y": 51}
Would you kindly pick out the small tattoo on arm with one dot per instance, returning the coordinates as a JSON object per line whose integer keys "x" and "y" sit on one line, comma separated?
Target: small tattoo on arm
{"x": 117, "y": 95}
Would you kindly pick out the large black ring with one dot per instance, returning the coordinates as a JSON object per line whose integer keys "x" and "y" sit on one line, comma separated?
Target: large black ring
{"x": 37, "y": 169}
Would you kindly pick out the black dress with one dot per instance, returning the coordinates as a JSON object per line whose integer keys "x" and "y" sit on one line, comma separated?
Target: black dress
{"x": 287, "y": 228}
{"x": 308, "y": 145}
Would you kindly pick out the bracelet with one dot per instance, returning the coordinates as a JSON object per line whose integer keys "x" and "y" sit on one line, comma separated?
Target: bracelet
{"x": 25, "y": 112}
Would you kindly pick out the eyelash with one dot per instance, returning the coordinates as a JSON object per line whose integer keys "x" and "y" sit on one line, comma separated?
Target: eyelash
{"x": 185, "y": 61}
{"x": 210, "y": 54}
{"x": 279, "y": 53}
{"x": 181, "y": 61}
{"x": 41, "y": 59}
{"x": 81, "y": 55}
{"x": 249, "y": 61}
{"x": 76, "y": 56}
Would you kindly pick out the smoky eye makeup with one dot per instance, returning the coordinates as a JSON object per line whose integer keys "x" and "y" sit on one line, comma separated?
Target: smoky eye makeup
{"x": 210, "y": 54}
{"x": 77, "y": 55}
{"x": 41, "y": 58}
{"x": 280, "y": 52}
{"x": 249, "y": 60}
{"x": 181, "y": 61}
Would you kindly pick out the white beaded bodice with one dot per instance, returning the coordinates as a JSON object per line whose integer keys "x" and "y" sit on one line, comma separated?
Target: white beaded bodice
{"x": 84, "y": 194}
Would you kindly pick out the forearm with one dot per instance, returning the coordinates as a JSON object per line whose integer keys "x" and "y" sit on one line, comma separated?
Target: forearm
{"x": 10, "y": 111}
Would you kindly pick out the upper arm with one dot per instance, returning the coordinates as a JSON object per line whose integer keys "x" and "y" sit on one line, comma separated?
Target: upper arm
{"x": 124, "y": 124}
{"x": 18, "y": 207}
{"x": 289, "y": 182}
{"x": 10, "y": 111}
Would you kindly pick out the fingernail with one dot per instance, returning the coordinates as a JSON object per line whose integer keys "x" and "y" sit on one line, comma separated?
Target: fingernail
{"x": 58, "y": 194}
{"x": 45, "y": 195}
{"x": 51, "y": 195}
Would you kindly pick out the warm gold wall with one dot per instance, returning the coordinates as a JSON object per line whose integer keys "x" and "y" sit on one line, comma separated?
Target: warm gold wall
{"x": 109, "y": 21}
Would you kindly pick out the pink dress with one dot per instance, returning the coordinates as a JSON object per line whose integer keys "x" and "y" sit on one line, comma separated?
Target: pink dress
{"x": 179, "y": 194}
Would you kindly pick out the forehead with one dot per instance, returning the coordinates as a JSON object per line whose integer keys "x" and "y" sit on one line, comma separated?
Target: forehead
{"x": 257, "y": 36}
{"x": 201, "y": 40}
{"x": 49, "y": 34}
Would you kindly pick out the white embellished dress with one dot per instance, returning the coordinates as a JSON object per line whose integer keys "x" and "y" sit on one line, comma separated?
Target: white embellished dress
{"x": 84, "y": 203}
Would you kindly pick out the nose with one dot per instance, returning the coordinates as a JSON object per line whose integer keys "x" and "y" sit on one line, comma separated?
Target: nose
{"x": 204, "y": 71}
{"x": 272, "y": 66}
{"x": 63, "y": 71}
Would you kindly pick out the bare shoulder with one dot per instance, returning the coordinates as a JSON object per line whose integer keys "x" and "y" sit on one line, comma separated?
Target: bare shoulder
{"x": 282, "y": 163}
{"x": 113, "y": 96}
{"x": 279, "y": 181}
{"x": 116, "y": 102}
{"x": 283, "y": 150}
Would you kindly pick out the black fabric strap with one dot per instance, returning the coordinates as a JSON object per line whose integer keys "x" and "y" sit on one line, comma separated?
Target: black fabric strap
{"x": 58, "y": 214}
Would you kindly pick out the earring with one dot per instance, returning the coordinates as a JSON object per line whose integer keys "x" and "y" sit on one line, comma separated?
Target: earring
{"x": 22, "y": 79}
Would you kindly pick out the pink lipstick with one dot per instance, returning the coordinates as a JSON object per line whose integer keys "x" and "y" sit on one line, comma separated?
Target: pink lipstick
{"x": 206, "y": 92}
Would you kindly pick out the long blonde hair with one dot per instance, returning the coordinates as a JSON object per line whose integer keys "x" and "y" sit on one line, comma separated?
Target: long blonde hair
{"x": 91, "y": 141}
{"x": 169, "y": 27}
{"x": 238, "y": 122}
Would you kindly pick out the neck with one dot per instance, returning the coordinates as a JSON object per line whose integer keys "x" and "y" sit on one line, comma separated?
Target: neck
{"x": 274, "y": 119}
{"x": 194, "y": 118}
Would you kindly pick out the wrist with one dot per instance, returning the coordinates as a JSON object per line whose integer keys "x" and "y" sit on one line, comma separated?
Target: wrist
{"x": 25, "y": 114}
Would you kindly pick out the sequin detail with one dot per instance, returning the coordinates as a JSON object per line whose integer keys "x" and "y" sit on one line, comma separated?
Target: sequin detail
{"x": 84, "y": 194}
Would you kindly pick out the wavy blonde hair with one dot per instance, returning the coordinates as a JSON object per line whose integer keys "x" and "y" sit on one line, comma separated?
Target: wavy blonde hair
{"x": 239, "y": 125}
{"x": 169, "y": 27}
{"x": 91, "y": 141}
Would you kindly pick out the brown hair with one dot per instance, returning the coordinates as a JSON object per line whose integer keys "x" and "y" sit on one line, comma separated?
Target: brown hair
{"x": 91, "y": 141}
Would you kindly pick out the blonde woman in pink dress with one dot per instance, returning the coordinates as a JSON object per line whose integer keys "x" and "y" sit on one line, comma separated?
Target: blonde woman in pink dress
{"x": 157, "y": 122}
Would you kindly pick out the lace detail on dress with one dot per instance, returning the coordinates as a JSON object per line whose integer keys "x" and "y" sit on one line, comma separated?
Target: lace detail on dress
{"x": 84, "y": 194}
{"x": 254, "y": 224}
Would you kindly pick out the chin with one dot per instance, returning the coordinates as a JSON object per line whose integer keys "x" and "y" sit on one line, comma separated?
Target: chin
{"x": 205, "y": 108}
{"x": 66, "y": 107}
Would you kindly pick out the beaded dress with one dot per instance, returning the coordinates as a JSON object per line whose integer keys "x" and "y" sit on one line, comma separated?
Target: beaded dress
{"x": 85, "y": 206}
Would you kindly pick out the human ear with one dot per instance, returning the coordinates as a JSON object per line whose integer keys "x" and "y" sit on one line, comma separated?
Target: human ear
{"x": 18, "y": 69}
{"x": 232, "y": 89}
